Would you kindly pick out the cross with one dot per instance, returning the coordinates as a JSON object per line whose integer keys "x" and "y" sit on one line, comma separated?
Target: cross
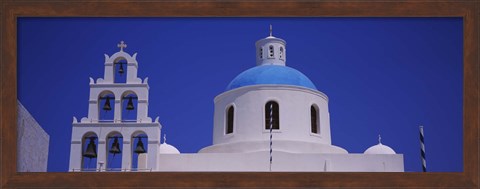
{"x": 379, "y": 139}
{"x": 270, "y": 29}
{"x": 165, "y": 138}
{"x": 122, "y": 45}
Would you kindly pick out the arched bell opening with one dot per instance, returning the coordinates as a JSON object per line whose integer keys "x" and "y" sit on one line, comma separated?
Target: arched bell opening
{"x": 129, "y": 106}
{"x": 114, "y": 150}
{"x": 106, "y": 106}
{"x": 120, "y": 70}
{"x": 89, "y": 151}
{"x": 140, "y": 149}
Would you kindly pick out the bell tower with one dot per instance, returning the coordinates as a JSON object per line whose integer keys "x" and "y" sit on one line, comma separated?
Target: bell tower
{"x": 117, "y": 133}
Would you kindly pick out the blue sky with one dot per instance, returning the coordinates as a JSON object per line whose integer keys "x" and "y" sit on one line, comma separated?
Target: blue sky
{"x": 382, "y": 76}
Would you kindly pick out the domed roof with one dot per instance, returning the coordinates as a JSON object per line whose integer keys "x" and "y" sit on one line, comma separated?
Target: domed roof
{"x": 271, "y": 74}
{"x": 379, "y": 149}
{"x": 168, "y": 149}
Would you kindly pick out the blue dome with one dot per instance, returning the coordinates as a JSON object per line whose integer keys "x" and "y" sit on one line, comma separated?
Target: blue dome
{"x": 271, "y": 74}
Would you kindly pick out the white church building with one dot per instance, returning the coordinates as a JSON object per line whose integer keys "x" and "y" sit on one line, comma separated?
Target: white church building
{"x": 270, "y": 118}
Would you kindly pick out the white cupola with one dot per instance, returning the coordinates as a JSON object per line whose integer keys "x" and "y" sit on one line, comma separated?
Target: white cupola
{"x": 167, "y": 148}
{"x": 379, "y": 148}
{"x": 271, "y": 51}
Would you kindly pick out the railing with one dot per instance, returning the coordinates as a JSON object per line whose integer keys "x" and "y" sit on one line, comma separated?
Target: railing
{"x": 106, "y": 121}
{"x": 123, "y": 120}
{"x": 130, "y": 120}
{"x": 112, "y": 170}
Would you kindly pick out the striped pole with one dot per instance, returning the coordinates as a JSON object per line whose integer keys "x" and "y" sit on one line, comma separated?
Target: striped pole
{"x": 271, "y": 128}
{"x": 422, "y": 145}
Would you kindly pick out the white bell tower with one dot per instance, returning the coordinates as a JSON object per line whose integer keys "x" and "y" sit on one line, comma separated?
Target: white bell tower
{"x": 117, "y": 120}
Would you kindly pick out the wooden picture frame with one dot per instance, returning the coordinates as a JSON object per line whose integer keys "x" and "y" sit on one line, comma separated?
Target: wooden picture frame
{"x": 12, "y": 10}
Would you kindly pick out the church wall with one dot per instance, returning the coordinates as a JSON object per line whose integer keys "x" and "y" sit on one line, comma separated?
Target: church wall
{"x": 32, "y": 143}
{"x": 281, "y": 162}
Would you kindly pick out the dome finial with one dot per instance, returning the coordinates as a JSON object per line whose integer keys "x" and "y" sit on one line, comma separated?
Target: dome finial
{"x": 270, "y": 30}
{"x": 164, "y": 138}
{"x": 122, "y": 45}
{"x": 379, "y": 139}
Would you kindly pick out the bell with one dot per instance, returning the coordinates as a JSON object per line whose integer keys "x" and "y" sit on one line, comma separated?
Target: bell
{"x": 130, "y": 104}
{"x": 115, "y": 149}
{"x": 120, "y": 70}
{"x": 91, "y": 151}
{"x": 140, "y": 149}
{"x": 107, "y": 106}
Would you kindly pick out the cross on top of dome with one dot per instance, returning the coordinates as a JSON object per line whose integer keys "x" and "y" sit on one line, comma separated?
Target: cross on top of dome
{"x": 270, "y": 30}
{"x": 122, "y": 45}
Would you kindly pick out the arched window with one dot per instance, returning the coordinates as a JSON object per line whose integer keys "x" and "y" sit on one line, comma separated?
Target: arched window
{"x": 120, "y": 71}
{"x": 129, "y": 107}
{"x": 270, "y": 51}
{"x": 281, "y": 53}
{"x": 139, "y": 149}
{"x": 261, "y": 53}
{"x": 230, "y": 118}
{"x": 314, "y": 119}
{"x": 114, "y": 151}
{"x": 106, "y": 106}
{"x": 89, "y": 152}
{"x": 272, "y": 118}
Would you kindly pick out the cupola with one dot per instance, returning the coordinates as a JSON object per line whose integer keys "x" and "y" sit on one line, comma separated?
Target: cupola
{"x": 271, "y": 51}
{"x": 379, "y": 148}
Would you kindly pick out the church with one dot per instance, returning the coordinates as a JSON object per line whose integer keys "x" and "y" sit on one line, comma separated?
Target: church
{"x": 271, "y": 117}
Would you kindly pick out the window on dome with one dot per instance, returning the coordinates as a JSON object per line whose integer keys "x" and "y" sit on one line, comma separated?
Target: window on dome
{"x": 261, "y": 53}
{"x": 271, "y": 115}
{"x": 229, "y": 120}
{"x": 270, "y": 54}
{"x": 281, "y": 53}
{"x": 314, "y": 119}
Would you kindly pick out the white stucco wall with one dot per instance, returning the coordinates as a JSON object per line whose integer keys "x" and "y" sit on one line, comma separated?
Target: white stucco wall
{"x": 32, "y": 143}
{"x": 294, "y": 134}
{"x": 282, "y": 162}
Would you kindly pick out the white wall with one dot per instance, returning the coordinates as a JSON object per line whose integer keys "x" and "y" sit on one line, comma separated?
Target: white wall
{"x": 32, "y": 143}
{"x": 282, "y": 162}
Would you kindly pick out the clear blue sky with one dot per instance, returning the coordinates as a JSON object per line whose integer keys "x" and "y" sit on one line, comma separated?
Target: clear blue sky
{"x": 382, "y": 76}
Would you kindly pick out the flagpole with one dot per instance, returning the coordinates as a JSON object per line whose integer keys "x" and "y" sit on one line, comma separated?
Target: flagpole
{"x": 271, "y": 127}
{"x": 422, "y": 150}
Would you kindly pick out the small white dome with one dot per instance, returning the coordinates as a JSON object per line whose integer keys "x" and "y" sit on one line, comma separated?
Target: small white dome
{"x": 379, "y": 149}
{"x": 168, "y": 149}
